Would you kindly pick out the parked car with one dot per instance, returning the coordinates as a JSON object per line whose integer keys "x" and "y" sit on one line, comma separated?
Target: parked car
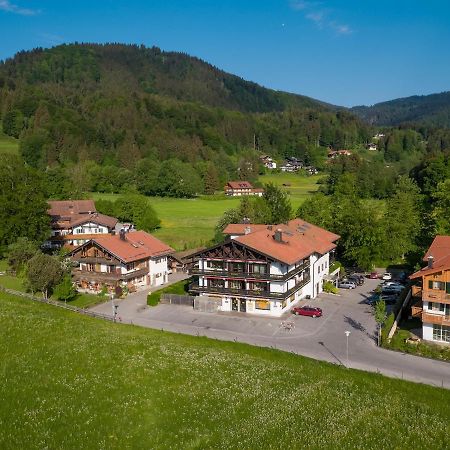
{"x": 310, "y": 311}
{"x": 390, "y": 299}
{"x": 390, "y": 291}
{"x": 392, "y": 284}
{"x": 346, "y": 284}
{"x": 393, "y": 287}
{"x": 386, "y": 276}
{"x": 373, "y": 275}
{"x": 357, "y": 279}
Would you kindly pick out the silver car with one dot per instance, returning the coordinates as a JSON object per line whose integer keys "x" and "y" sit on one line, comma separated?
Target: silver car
{"x": 345, "y": 284}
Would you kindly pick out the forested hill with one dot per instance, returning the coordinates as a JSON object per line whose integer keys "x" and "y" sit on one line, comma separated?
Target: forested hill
{"x": 149, "y": 70}
{"x": 127, "y": 109}
{"x": 433, "y": 110}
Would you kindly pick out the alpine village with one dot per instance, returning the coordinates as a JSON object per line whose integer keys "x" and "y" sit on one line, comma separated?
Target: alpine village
{"x": 192, "y": 260}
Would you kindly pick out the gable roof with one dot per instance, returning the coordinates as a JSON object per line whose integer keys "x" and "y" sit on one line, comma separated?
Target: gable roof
{"x": 101, "y": 219}
{"x": 137, "y": 245}
{"x": 67, "y": 208}
{"x": 440, "y": 251}
{"x": 239, "y": 185}
{"x": 300, "y": 239}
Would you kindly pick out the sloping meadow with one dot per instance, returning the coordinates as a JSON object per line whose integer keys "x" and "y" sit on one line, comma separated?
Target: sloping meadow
{"x": 70, "y": 381}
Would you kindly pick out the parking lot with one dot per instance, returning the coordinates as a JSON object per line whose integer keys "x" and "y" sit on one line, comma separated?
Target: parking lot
{"x": 321, "y": 338}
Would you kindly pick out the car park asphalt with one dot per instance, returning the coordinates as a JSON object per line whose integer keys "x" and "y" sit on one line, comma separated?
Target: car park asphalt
{"x": 321, "y": 338}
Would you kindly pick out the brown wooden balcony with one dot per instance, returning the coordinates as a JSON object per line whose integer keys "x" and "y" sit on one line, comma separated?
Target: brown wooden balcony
{"x": 439, "y": 319}
{"x": 95, "y": 260}
{"x": 416, "y": 310}
{"x": 434, "y": 295}
{"x": 416, "y": 291}
{"x": 194, "y": 287}
{"x": 248, "y": 275}
{"x": 107, "y": 276}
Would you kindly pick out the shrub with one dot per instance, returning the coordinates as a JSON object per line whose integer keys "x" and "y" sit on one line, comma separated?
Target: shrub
{"x": 386, "y": 328}
{"x": 329, "y": 287}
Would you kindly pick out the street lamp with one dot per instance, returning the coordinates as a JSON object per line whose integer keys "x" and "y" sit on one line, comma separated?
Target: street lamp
{"x": 347, "y": 333}
{"x": 114, "y": 308}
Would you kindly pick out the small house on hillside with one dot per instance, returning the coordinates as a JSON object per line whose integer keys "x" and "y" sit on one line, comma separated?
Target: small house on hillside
{"x": 268, "y": 162}
{"x": 241, "y": 188}
{"x": 74, "y": 222}
{"x": 132, "y": 260}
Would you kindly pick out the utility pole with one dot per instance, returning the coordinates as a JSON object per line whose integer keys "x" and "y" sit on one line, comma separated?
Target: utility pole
{"x": 347, "y": 333}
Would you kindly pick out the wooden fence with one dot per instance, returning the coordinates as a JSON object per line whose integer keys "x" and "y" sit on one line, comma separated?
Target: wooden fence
{"x": 62, "y": 305}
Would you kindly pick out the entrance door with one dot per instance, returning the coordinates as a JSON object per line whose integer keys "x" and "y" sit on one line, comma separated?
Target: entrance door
{"x": 234, "y": 304}
{"x": 243, "y": 305}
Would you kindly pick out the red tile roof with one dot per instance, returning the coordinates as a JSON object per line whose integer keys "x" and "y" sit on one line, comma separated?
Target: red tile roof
{"x": 101, "y": 219}
{"x": 239, "y": 185}
{"x": 137, "y": 245}
{"x": 440, "y": 251}
{"x": 299, "y": 239}
{"x": 63, "y": 208}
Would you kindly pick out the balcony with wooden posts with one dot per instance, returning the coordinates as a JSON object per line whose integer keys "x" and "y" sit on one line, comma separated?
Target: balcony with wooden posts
{"x": 259, "y": 293}
{"x": 416, "y": 291}
{"x": 435, "y": 295}
{"x": 246, "y": 274}
{"x": 89, "y": 275}
{"x": 438, "y": 319}
{"x": 417, "y": 309}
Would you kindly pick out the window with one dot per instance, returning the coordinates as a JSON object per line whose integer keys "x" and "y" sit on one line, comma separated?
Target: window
{"x": 130, "y": 266}
{"x": 254, "y": 286}
{"x": 326, "y": 264}
{"x": 237, "y": 267}
{"x": 447, "y": 288}
{"x": 262, "y": 304}
{"x": 215, "y": 265}
{"x": 318, "y": 269}
{"x": 441, "y": 333}
{"x": 438, "y": 285}
{"x": 258, "y": 268}
{"x": 236, "y": 284}
{"x": 216, "y": 283}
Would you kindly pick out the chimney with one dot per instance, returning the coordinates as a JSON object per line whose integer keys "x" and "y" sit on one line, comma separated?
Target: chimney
{"x": 269, "y": 227}
{"x": 430, "y": 262}
{"x": 278, "y": 236}
{"x": 122, "y": 234}
{"x": 247, "y": 230}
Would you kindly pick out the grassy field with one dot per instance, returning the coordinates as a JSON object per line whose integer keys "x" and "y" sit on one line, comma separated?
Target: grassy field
{"x": 300, "y": 187}
{"x": 189, "y": 223}
{"x": 180, "y": 288}
{"x": 71, "y": 381}
{"x": 8, "y": 144}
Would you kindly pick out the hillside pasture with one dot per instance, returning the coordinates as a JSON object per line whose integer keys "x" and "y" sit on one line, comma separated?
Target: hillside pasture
{"x": 8, "y": 144}
{"x": 71, "y": 381}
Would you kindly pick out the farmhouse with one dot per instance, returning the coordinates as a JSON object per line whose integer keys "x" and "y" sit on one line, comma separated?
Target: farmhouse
{"x": 268, "y": 162}
{"x": 74, "y": 222}
{"x": 241, "y": 188}
{"x": 433, "y": 293}
{"x": 265, "y": 269}
{"x": 127, "y": 260}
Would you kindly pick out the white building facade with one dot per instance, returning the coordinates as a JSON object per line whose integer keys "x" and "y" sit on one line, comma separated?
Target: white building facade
{"x": 250, "y": 273}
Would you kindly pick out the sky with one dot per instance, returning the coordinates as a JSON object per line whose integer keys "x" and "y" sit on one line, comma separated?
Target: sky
{"x": 346, "y": 53}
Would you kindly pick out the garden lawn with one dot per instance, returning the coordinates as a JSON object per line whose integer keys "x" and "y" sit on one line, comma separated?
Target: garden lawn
{"x": 180, "y": 288}
{"x": 70, "y": 381}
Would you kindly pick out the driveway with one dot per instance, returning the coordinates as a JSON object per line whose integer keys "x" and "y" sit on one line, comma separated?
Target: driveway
{"x": 321, "y": 338}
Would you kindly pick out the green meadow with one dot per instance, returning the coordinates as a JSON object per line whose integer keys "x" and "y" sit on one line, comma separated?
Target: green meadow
{"x": 70, "y": 381}
{"x": 190, "y": 223}
{"x": 8, "y": 144}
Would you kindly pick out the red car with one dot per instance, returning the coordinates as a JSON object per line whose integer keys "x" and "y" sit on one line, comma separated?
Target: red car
{"x": 373, "y": 275}
{"x": 310, "y": 311}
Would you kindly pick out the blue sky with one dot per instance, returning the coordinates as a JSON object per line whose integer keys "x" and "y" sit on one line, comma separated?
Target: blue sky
{"x": 343, "y": 52}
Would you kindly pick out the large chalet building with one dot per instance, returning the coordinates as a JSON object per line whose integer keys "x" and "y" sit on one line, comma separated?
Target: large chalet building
{"x": 74, "y": 222}
{"x": 130, "y": 260}
{"x": 433, "y": 293}
{"x": 242, "y": 188}
{"x": 264, "y": 269}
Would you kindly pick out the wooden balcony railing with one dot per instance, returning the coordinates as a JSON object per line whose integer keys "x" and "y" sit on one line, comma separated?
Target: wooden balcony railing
{"x": 194, "y": 287}
{"x": 433, "y": 295}
{"x": 248, "y": 275}
{"x": 438, "y": 319}
{"x": 416, "y": 291}
{"x": 416, "y": 310}
{"x": 107, "y": 276}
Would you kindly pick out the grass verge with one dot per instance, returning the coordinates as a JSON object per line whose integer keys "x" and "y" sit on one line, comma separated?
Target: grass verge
{"x": 180, "y": 288}
{"x": 77, "y": 382}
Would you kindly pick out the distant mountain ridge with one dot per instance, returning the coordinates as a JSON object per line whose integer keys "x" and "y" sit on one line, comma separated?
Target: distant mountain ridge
{"x": 433, "y": 109}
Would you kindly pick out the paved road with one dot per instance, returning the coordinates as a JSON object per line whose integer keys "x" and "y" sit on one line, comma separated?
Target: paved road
{"x": 323, "y": 338}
